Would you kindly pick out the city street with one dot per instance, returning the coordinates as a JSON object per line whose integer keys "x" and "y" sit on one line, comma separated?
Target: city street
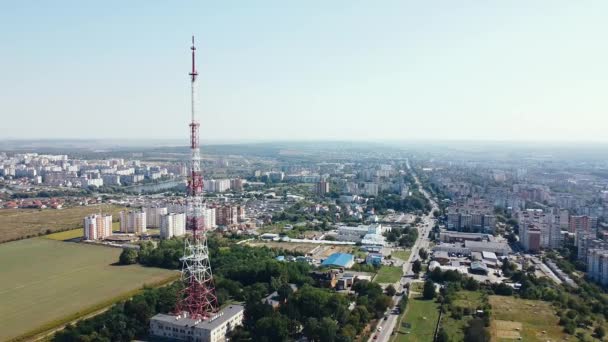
{"x": 387, "y": 326}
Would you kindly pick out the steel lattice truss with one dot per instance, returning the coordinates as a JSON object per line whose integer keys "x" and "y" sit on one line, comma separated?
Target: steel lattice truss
{"x": 198, "y": 297}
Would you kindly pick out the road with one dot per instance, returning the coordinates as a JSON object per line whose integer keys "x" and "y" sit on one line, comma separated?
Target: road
{"x": 428, "y": 221}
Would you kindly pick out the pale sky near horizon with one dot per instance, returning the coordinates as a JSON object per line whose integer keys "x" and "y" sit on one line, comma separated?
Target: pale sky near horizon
{"x": 306, "y": 70}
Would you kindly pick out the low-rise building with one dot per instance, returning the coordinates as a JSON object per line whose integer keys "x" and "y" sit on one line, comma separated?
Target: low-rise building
{"x": 184, "y": 328}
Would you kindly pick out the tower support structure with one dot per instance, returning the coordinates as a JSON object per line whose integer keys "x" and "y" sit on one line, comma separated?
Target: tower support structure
{"x": 198, "y": 299}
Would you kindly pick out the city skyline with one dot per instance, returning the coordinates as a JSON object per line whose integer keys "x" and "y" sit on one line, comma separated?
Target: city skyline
{"x": 273, "y": 72}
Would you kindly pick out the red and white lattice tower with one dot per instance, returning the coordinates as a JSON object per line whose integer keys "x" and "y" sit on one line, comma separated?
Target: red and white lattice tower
{"x": 198, "y": 299}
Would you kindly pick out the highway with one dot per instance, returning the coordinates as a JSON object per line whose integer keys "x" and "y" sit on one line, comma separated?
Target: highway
{"x": 428, "y": 221}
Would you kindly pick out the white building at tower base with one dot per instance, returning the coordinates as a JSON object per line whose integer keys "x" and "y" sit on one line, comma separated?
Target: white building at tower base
{"x": 184, "y": 328}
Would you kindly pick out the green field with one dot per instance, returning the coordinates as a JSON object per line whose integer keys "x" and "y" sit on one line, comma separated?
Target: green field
{"x": 422, "y": 315}
{"x": 43, "y": 281}
{"x": 532, "y": 320}
{"x": 388, "y": 274}
{"x": 66, "y": 235}
{"x": 21, "y": 223}
{"x": 403, "y": 255}
{"x": 455, "y": 327}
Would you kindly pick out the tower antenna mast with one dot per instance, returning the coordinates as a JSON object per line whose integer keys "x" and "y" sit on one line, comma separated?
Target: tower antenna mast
{"x": 198, "y": 298}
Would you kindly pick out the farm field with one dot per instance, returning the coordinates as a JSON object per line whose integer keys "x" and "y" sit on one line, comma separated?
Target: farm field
{"x": 43, "y": 281}
{"x": 20, "y": 223}
{"x": 388, "y": 274}
{"x": 422, "y": 316}
{"x": 532, "y": 320}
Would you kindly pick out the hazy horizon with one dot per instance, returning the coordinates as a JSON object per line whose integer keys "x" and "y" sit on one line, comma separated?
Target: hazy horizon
{"x": 316, "y": 71}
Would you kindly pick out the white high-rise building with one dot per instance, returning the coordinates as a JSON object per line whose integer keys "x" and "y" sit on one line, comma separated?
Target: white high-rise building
{"x": 133, "y": 222}
{"x": 597, "y": 265}
{"x": 209, "y": 218}
{"x": 217, "y": 185}
{"x": 550, "y": 232}
{"x": 173, "y": 224}
{"x": 97, "y": 226}
{"x": 153, "y": 215}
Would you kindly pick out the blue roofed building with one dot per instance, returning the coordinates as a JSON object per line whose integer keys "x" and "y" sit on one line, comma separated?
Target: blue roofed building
{"x": 374, "y": 259}
{"x": 340, "y": 260}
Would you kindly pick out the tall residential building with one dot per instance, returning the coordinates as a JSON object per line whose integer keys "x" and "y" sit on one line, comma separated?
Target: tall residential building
{"x": 133, "y": 222}
{"x": 97, "y": 226}
{"x": 597, "y": 265}
{"x": 236, "y": 184}
{"x": 550, "y": 233}
{"x": 227, "y": 215}
{"x": 322, "y": 188}
{"x": 209, "y": 218}
{"x": 153, "y": 215}
{"x": 172, "y": 224}
{"x": 580, "y": 223}
{"x": 217, "y": 185}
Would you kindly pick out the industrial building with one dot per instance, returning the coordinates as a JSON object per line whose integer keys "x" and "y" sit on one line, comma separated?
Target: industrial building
{"x": 340, "y": 260}
{"x": 356, "y": 234}
{"x": 183, "y": 327}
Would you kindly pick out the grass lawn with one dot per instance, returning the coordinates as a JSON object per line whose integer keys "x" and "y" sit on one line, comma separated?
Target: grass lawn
{"x": 19, "y": 223}
{"x": 43, "y": 281}
{"x": 455, "y": 327}
{"x": 513, "y": 318}
{"x": 388, "y": 274}
{"x": 417, "y": 286}
{"x": 67, "y": 235}
{"x": 403, "y": 255}
{"x": 422, "y": 315}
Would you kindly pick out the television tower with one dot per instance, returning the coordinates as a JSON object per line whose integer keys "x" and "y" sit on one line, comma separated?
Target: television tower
{"x": 198, "y": 299}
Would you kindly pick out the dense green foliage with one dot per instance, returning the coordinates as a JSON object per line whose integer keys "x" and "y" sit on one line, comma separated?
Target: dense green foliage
{"x": 412, "y": 203}
{"x": 244, "y": 274}
{"x": 405, "y": 236}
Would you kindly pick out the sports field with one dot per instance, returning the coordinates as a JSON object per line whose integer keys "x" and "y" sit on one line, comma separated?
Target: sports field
{"x": 43, "y": 281}
{"x": 530, "y": 320}
{"x": 20, "y": 223}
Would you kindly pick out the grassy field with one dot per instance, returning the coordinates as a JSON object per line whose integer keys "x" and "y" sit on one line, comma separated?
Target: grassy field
{"x": 532, "y": 320}
{"x": 422, "y": 315}
{"x": 455, "y": 327}
{"x": 65, "y": 235}
{"x": 388, "y": 274}
{"x": 298, "y": 247}
{"x": 42, "y": 281}
{"x": 19, "y": 223}
{"x": 403, "y": 255}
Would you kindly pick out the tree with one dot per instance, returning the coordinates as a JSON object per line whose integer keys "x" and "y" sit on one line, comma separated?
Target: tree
{"x": 128, "y": 257}
{"x": 417, "y": 266}
{"x": 442, "y": 335}
{"x": 423, "y": 254}
{"x": 328, "y": 329}
{"x": 284, "y": 292}
{"x": 272, "y": 328}
{"x": 390, "y": 290}
{"x": 476, "y": 331}
{"x": 428, "y": 291}
{"x": 599, "y": 332}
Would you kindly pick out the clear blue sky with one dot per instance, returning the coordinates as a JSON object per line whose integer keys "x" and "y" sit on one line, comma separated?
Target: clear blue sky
{"x": 361, "y": 70}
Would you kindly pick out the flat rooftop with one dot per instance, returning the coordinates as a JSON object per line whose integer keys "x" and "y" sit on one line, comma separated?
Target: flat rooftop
{"x": 209, "y": 324}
